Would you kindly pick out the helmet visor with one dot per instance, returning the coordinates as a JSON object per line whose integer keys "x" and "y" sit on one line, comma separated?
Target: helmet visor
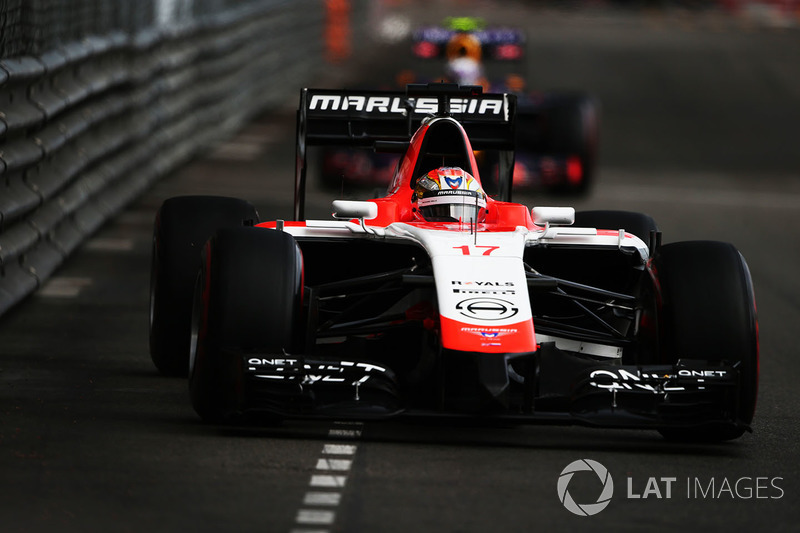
{"x": 452, "y": 205}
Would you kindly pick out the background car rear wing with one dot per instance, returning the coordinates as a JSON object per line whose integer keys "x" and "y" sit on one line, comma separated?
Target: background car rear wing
{"x": 386, "y": 120}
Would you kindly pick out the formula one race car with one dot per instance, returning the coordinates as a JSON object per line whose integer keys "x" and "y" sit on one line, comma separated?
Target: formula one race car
{"x": 556, "y": 131}
{"x": 440, "y": 300}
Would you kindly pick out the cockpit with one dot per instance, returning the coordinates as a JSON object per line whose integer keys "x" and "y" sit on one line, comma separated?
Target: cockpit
{"x": 444, "y": 145}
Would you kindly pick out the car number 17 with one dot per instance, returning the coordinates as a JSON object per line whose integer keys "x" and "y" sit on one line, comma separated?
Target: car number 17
{"x": 468, "y": 249}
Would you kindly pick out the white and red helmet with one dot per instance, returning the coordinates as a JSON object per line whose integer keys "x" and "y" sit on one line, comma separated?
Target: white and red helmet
{"x": 450, "y": 194}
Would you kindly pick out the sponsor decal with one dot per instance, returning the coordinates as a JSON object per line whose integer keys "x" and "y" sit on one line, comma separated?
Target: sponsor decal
{"x": 512, "y": 336}
{"x": 478, "y": 290}
{"x": 453, "y": 183}
{"x": 483, "y": 287}
{"x": 308, "y": 373}
{"x": 276, "y": 362}
{"x": 703, "y": 373}
{"x": 622, "y": 379}
{"x": 484, "y": 283}
{"x": 451, "y": 192}
{"x": 490, "y": 333}
{"x": 490, "y": 336}
{"x": 487, "y": 308}
{"x": 397, "y": 104}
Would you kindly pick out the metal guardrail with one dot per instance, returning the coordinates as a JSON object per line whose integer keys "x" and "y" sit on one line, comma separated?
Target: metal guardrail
{"x": 88, "y": 126}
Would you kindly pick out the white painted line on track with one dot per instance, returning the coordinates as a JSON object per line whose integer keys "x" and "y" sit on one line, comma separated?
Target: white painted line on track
{"x": 109, "y": 244}
{"x": 322, "y": 498}
{"x": 339, "y": 449}
{"x": 314, "y": 516}
{"x": 64, "y": 287}
{"x": 328, "y": 481}
{"x": 334, "y": 464}
{"x": 320, "y": 503}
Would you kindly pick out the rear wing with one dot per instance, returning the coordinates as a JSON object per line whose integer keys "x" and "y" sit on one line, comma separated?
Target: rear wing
{"x": 386, "y": 121}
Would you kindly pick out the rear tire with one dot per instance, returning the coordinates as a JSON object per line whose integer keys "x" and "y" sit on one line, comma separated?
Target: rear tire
{"x": 709, "y": 308}
{"x": 248, "y": 299}
{"x": 182, "y": 227}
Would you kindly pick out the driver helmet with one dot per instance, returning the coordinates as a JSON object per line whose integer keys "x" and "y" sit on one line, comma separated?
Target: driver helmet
{"x": 450, "y": 194}
{"x": 464, "y": 45}
{"x": 465, "y": 71}
{"x": 464, "y": 60}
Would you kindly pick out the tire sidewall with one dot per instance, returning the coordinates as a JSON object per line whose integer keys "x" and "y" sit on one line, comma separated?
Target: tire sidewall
{"x": 708, "y": 311}
{"x": 248, "y": 300}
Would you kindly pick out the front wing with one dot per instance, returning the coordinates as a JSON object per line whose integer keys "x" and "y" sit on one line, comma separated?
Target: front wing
{"x": 546, "y": 386}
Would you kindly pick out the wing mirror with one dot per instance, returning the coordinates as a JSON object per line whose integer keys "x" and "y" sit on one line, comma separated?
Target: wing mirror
{"x": 555, "y": 216}
{"x": 347, "y": 209}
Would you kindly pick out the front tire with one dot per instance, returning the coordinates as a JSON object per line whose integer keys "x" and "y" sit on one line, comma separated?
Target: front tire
{"x": 709, "y": 312}
{"x": 248, "y": 300}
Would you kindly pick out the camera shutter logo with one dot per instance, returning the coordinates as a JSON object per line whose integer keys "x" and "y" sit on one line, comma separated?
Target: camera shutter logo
{"x": 586, "y": 509}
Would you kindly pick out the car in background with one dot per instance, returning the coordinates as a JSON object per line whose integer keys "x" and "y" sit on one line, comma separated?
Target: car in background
{"x": 556, "y": 131}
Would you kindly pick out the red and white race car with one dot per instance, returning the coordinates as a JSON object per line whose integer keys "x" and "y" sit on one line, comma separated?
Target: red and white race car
{"x": 438, "y": 299}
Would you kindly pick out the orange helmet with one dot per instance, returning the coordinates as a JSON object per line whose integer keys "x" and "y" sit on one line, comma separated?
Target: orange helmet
{"x": 464, "y": 45}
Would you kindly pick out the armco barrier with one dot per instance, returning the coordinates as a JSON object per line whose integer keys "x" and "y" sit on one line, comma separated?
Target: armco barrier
{"x": 88, "y": 126}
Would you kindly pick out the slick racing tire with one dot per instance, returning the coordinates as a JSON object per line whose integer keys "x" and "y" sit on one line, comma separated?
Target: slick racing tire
{"x": 248, "y": 299}
{"x": 638, "y": 224}
{"x": 182, "y": 226}
{"x": 709, "y": 308}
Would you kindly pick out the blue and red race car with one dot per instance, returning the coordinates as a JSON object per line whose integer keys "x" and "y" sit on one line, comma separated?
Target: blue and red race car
{"x": 556, "y": 131}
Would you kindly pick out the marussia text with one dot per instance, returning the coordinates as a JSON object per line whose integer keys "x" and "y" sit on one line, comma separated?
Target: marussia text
{"x": 397, "y": 105}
